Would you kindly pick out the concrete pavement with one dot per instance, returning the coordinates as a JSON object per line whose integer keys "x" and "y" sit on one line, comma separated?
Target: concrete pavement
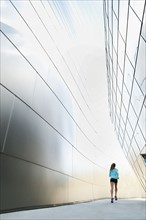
{"x": 123, "y": 209}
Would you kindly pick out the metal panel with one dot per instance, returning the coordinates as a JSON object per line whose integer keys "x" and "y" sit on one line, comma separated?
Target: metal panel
{"x": 134, "y": 26}
{"x": 49, "y": 107}
{"x": 82, "y": 167}
{"x": 6, "y": 107}
{"x": 85, "y": 146}
{"x": 16, "y": 73}
{"x": 25, "y": 184}
{"x": 77, "y": 189}
{"x": 140, "y": 71}
{"x": 60, "y": 89}
{"x": 31, "y": 138}
{"x": 22, "y": 37}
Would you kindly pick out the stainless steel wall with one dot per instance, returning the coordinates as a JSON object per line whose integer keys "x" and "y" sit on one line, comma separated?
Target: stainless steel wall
{"x": 125, "y": 36}
{"x": 49, "y": 144}
{"x": 43, "y": 125}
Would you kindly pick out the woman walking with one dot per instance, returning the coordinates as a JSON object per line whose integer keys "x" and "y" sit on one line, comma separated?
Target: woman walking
{"x": 114, "y": 176}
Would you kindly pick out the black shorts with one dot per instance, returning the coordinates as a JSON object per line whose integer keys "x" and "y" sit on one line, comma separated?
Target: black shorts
{"x": 113, "y": 180}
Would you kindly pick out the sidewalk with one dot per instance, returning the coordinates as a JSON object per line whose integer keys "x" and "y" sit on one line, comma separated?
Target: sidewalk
{"x": 123, "y": 209}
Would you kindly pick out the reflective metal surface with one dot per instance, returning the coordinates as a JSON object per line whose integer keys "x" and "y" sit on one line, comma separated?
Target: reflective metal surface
{"x": 16, "y": 74}
{"x": 6, "y": 110}
{"x": 127, "y": 91}
{"x": 53, "y": 148}
{"x": 25, "y": 184}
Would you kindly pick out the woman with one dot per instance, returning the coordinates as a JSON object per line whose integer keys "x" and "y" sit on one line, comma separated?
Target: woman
{"x": 114, "y": 176}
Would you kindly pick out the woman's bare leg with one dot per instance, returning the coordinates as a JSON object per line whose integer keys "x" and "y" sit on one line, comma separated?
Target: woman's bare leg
{"x": 116, "y": 190}
{"x": 112, "y": 189}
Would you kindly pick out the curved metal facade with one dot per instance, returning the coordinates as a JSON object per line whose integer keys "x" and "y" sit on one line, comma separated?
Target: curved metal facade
{"x": 126, "y": 72}
{"x": 50, "y": 151}
{"x": 45, "y": 119}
